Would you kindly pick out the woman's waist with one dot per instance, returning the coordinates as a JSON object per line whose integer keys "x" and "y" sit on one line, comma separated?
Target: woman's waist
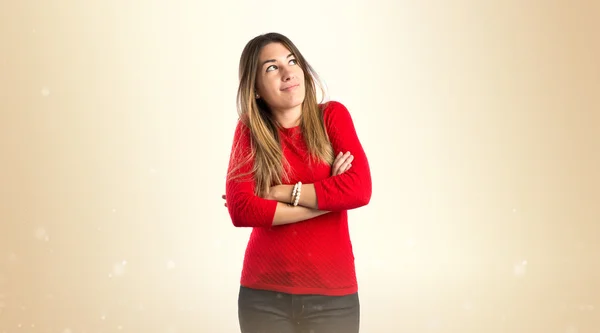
{"x": 299, "y": 247}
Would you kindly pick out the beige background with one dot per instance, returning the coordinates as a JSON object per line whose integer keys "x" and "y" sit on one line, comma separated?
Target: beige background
{"x": 481, "y": 120}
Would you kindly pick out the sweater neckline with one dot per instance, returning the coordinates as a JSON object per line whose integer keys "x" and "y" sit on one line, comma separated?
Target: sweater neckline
{"x": 289, "y": 130}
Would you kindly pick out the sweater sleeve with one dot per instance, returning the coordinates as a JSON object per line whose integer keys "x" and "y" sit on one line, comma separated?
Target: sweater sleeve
{"x": 246, "y": 209}
{"x": 351, "y": 189}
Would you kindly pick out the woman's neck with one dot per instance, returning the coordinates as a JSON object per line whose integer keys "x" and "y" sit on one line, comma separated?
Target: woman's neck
{"x": 289, "y": 118}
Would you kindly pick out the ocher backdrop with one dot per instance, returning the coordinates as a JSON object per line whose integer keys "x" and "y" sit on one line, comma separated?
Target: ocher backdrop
{"x": 481, "y": 121}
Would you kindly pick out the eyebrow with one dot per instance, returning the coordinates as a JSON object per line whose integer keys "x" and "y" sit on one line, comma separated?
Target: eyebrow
{"x": 273, "y": 60}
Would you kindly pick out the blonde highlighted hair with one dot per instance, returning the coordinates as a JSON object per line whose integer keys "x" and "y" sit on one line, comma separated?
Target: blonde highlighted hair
{"x": 269, "y": 163}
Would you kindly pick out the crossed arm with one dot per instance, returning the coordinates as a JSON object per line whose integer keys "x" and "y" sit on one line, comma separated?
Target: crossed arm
{"x": 307, "y": 205}
{"x": 348, "y": 187}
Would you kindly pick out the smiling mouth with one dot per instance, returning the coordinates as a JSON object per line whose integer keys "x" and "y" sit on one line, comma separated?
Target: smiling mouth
{"x": 290, "y": 87}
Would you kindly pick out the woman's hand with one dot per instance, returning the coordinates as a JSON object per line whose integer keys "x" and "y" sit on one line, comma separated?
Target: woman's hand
{"x": 275, "y": 192}
{"x": 342, "y": 163}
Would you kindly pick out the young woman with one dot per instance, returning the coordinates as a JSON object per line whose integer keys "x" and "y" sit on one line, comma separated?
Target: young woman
{"x": 296, "y": 168}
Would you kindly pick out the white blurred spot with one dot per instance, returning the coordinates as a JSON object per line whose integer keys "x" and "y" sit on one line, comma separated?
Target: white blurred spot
{"x": 468, "y": 306}
{"x": 12, "y": 257}
{"x": 433, "y": 323}
{"x": 32, "y": 325}
{"x": 185, "y": 309}
{"x": 119, "y": 268}
{"x": 318, "y": 307}
{"x": 409, "y": 243}
{"x": 114, "y": 210}
{"x": 19, "y": 326}
{"x": 41, "y": 234}
{"x": 66, "y": 330}
{"x": 519, "y": 269}
{"x": 119, "y": 327}
{"x": 102, "y": 317}
{"x": 571, "y": 329}
{"x": 45, "y": 92}
{"x": 171, "y": 329}
{"x": 514, "y": 210}
{"x": 152, "y": 171}
{"x": 170, "y": 264}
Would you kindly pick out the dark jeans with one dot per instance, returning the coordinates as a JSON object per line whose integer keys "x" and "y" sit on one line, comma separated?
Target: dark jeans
{"x": 262, "y": 311}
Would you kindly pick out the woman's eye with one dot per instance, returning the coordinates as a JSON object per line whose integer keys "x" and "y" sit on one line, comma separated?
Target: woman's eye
{"x": 273, "y": 67}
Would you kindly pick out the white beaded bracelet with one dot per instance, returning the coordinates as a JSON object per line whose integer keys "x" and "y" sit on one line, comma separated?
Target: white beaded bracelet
{"x": 299, "y": 185}
{"x": 294, "y": 191}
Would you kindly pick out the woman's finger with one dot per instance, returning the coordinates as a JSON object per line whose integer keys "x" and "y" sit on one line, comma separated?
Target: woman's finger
{"x": 346, "y": 164}
{"x": 339, "y": 166}
{"x": 335, "y": 164}
{"x": 338, "y": 159}
{"x": 341, "y": 159}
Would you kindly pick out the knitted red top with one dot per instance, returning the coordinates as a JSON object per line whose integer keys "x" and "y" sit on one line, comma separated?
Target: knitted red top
{"x": 313, "y": 256}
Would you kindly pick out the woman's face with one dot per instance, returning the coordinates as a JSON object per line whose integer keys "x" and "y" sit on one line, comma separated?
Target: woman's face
{"x": 280, "y": 80}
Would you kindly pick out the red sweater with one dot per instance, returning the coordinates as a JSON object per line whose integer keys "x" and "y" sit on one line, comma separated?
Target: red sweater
{"x": 313, "y": 256}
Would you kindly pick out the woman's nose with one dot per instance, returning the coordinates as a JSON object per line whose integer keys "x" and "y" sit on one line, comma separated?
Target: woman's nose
{"x": 287, "y": 75}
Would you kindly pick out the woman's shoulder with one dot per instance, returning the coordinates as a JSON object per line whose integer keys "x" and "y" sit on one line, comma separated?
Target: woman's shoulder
{"x": 242, "y": 130}
{"x": 332, "y": 105}
{"x": 334, "y": 109}
{"x": 243, "y": 123}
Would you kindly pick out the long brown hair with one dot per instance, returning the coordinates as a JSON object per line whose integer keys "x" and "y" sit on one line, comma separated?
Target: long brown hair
{"x": 269, "y": 162}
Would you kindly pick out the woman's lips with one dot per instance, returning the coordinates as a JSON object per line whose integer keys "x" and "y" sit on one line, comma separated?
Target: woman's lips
{"x": 290, "y": 88}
